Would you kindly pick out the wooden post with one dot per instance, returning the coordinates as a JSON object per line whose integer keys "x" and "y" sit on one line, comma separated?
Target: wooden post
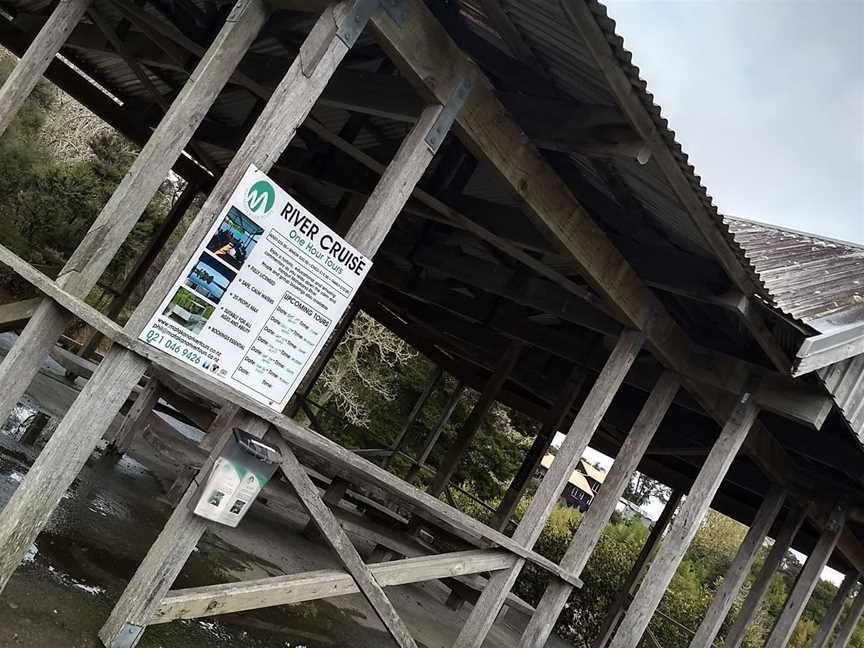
{"x": 469, "y": 429}
{"x": 154, "y": 247}
{"x": 124, "y": 208}
{"x": 449, "y": 408}
{"x": 593, "y": 522}
{"x": 832, "y": 616}
{"x": 634, "y": 578}
{"x": 165, "y": 558}
{"x": 738, "y": 570}
{"x": 291, "y": 102}
{"x": 399, "y": 441}
{"x": 32, "y": 66}
{"x": 84, "y": 424}
{"x": 582, "y": 429}
{"x": 537, "y": 451}
{"x": 339, "y": 541}
{"x": 321, "y": 361}
{"x": 223, "y": 419}
{"x": 807, "y": 579}
{"x": 686, "y": 524}
{"x": 35, "y": 428}
{"x": 847, "y": 628}
{"x": 331, "y": 497}
{"x": 134, "y": 420}
{"x": 750, "y": 607}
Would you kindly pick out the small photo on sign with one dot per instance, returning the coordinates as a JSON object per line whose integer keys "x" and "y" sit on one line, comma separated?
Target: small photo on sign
{"x": 236, "y": 237}
{"x": 188, "y": 310}
{"x": 210, "y": 278}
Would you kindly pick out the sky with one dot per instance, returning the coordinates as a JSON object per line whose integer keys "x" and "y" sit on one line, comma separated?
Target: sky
{"x": 766, "y": 97}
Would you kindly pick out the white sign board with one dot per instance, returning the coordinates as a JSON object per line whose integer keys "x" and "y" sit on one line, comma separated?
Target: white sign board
{"x": 261, "y": 295}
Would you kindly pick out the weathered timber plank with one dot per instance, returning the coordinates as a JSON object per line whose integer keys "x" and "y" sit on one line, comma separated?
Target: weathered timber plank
{"x": 309, "y": 586}
{"x": 341, "y": 544}
{"x": 29, "y": 70}
{"x": 17, "y": 313}
{"x": 287, "y": 108}
{"x": 738, "y": 570}
{"x": 807, "y": 579}
{"x": 138, "y": 413}
{"x": 750, "y": 607}
{"x": 124, "y": 208}
{"x": 450, "y": 463}
{"x": 429, "y": 58}
{"x": 686, "y": 524}
{"x": 832, "y": 615}
{"x": 847, "y": 629}
{"x": 594, "y": 521}
{"x": 164, "y": 559}
{"x": 590, "y": 414}
{"x": 344, "y": 461}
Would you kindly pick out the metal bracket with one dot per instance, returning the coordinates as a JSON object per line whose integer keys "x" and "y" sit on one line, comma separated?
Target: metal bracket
{"x": 448, "y": 114}
{"x": 361, "y": 10}
{"x": 129, "y": 636}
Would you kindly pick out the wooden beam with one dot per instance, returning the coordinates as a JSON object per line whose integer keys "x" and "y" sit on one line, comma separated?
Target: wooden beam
{"x": 850, "y": 623}
{"x": 533, "y": 521}
{"x": 469, "y": 429}
{"x": 84, "y": 424}
{"x": 120, "y": 214}
{"x": 637, "y": 572}
{"x": 101, "y": 104}
{"x": 15, "y": 314}
{"x": 559, "y": 412}
{"x": 694, "y": 201}
{"x": 507, "y": 31}
{"x": 685, "y": 526}
{"x": 339, "y": 541}
{"x": 434, "y": 64}
{"x": 832, "y": 615}
{"x": 594, "y": 521}
{"x": 725, "y": 595}
{"x": 144, "y": 262}
{"x": 29, "y": 70}
{"x": 779, "y": 394}
{"x": 345, "y": 461}
{"x": 213, "y": 600}
{"x": 432, "y": 439}
{"x": 166, "y": 555}
{"x": 141, "y": 74}
{"x": 398, "y": 442}
{"x": 750, "y": 606}
{"x": 135, "y": 418}
{"x": 807, "y": 579}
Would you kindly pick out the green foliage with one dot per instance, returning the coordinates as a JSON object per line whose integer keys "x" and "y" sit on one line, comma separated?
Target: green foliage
{"x": 47, "y": 202}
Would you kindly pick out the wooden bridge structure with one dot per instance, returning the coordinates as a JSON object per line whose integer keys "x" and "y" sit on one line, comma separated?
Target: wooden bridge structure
{"x": 537, "y": 233}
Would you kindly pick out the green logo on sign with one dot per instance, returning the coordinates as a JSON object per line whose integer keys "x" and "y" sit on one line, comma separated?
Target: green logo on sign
{"x": 261, "y": 197}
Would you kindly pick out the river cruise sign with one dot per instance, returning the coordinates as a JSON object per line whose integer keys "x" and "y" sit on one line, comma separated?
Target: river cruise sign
{"x": 261, "y": 295}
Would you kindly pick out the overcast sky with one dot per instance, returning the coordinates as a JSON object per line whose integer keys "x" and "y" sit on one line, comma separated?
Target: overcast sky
{"x": 767, "y": 98}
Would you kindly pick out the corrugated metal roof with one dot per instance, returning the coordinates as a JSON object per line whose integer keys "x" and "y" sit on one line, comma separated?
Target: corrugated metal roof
{"x": 845, "y": 380}
{"x": 816, "y": 280}
{"x": 819, "y": 282}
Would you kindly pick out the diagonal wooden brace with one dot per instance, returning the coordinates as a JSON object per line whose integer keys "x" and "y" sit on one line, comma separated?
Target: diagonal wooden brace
{"x": 339, "y": 541}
